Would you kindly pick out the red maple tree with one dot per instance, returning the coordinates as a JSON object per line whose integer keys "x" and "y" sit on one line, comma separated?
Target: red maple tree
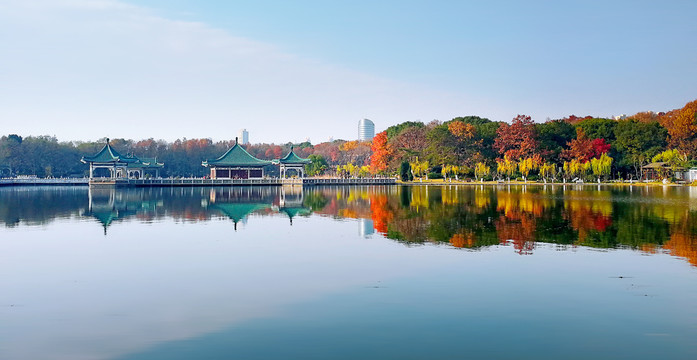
{"x": 518, "y": 140}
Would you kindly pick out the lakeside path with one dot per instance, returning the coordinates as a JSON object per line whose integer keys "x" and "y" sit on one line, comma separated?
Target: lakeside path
{"x": 442, "y": 182}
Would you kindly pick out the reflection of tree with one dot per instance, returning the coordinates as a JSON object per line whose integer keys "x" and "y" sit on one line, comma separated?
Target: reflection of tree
{"x": 381, "y": 213}
{"x": 40, "y": 205}
{"x": 589, "y": 213}
{"x": 462, "y": 216}
{"x": 683, "y": 240}
{"x": 519, "y": 228}
{"x": 463, "y": 240}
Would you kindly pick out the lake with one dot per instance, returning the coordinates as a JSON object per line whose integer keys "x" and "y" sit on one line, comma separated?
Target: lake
{"x": 379, "y": 272}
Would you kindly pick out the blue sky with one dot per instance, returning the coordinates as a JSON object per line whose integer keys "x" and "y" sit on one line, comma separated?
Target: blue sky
{"x": 290, "y": 70}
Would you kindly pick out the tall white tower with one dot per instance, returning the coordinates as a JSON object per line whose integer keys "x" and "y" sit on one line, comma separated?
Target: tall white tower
{"x": 366, "y": 130}
{"x": 244, "y": 136}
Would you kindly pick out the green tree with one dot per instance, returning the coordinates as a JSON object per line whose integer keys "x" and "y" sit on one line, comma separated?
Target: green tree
{"x": 317, "y": 166}
{"x": 637, "y": 142}
{"x": 598, "y": 128}
{"x": 405, "y": 171}
{"x": 395, "y": 130}
{"x": 553, "y": 137}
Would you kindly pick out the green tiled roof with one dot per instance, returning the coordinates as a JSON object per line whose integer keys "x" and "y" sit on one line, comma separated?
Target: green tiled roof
{"x": 292, "y": 158}
{"x": 147, "y": 163}
{"x": 236, "y": 156}
{"x": 108, "y": 154}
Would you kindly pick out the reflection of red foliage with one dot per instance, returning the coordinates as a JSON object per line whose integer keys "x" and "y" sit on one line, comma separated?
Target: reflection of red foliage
{"x": 601, "y": 222}
{"x": 380, "y": 213}
{"x": 682, "y": 244}
{"x": 520, "y": 231}
{"x": 465, "y": 240}
{"x": 584, "y": 219}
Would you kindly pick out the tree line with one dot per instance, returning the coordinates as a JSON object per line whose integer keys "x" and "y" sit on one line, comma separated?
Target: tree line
{"x": 471, "y": 146}
{"x": 45, "y": 156}
{"x": 571, "y": 147}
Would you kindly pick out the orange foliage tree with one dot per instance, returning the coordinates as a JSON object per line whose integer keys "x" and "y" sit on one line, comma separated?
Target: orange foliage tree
{"x": 518, "y": 140}
{"x": 682, "y": 129}
{"x": 382, "y": 152}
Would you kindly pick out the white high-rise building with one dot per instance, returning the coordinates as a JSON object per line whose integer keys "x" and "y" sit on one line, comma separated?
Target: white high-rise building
{"x": 243, "y": 137}
{"x": 366, "y": 130}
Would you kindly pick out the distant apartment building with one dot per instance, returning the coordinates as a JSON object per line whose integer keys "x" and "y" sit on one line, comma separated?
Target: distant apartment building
{"x": 243, "y": 136}
{"x": 366, "y": 130}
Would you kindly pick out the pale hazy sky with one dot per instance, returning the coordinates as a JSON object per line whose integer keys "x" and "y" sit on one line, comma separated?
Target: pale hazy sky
{"x": 289, "y": 70}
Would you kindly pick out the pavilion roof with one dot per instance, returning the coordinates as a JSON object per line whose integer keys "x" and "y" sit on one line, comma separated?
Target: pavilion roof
{"x": 146, "y": 163}
{"x": 292, "y": 158}
{"x": 236, "y": 156}
{"x": 660, "y": 165}
{"x": 108, "y": 154}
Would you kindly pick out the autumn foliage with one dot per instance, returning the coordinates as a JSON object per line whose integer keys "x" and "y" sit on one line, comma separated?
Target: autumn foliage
{"x": 382, "y": 151}
{"x": 517, "y": 140}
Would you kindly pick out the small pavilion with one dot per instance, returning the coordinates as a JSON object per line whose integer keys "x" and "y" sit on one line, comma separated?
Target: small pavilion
{"x": 293, "y": 162}
{"x": 108, "y": 158}
{"x": 144, "y": 167}
{"x": 236, "y": 163}
{"x": 660, "y": 170}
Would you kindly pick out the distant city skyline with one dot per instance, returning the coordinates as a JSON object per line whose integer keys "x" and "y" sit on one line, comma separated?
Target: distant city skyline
{"x": 286, "y": 71}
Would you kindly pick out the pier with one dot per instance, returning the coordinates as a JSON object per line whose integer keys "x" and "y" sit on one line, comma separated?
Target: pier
{"x": 193, "y": 182}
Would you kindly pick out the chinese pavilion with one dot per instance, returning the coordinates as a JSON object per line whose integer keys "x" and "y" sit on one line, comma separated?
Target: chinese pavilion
{"x": 292, "y": 161}
{"x": 108, "y": 158}
{"x": 236, "y": 163}
{"x": 144, "y": 167}
{"x": 120, "y": 166}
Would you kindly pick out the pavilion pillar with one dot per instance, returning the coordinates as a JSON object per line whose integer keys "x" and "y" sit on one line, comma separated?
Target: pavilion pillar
{"x": 91, "y": 170}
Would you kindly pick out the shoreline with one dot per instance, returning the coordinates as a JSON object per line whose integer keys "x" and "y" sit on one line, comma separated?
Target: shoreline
{"x": 440, "y": 182}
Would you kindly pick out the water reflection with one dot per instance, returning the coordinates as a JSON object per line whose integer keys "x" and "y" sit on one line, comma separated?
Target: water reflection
{"x": 649, "y": 219}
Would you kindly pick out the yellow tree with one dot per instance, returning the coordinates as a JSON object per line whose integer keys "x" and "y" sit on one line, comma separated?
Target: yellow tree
{"x": 583, "y": 169}
{"x": 506, "y": 166}
{"x": 576, "y": 168}
{"x": 602, "y": 166}
{"x": 364, "y": 171}
{"x": 450, "y": 170}
{"x": 548, "y": 170}
{"x": 528, "y": 164}
{"x": 418, "y": 167}
{"x": 481, "y": 170}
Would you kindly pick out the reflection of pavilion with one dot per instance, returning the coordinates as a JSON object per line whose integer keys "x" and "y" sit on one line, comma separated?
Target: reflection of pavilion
{"x": 291, "y": 202}
{"x": 239, "y": 203}
{"x": 108, "y": 206}
{"x": 238, "y": 212}
{"x": 111, "y": 204}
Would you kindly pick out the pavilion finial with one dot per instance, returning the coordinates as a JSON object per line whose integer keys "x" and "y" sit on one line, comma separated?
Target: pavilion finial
{"x": 107, "y": 140}
{"x": 235, "y": 140}
{"x": 291, "y": 148}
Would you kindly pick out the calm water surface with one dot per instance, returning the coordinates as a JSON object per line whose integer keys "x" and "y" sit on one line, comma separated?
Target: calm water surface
{"x": 349, "y": 273}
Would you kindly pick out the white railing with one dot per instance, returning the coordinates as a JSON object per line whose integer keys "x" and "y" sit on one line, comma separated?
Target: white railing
{"x": 38, "y": 181}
